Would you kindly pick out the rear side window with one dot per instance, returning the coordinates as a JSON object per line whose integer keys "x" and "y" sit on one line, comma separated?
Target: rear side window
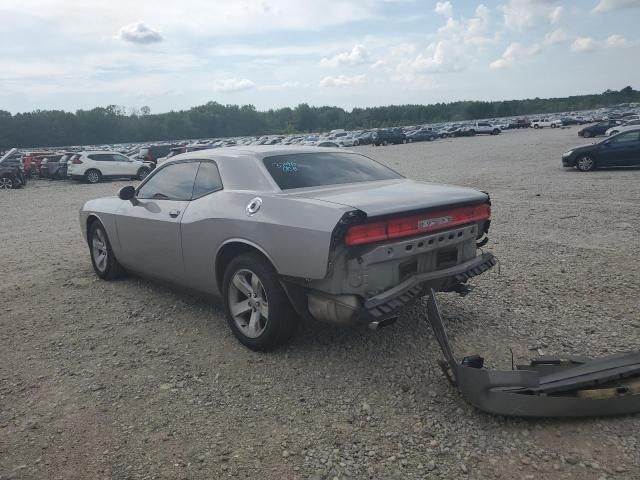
{"x": 101, "y": 157}
{"x": 173, "y": 182}
{"x": 325, "y": 168}
{"x": 207, "y": 180}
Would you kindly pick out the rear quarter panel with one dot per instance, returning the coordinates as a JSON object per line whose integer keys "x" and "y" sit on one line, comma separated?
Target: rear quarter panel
{"x": 295, "y": 234}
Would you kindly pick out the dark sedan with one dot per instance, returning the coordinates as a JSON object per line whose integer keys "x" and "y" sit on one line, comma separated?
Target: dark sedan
{"x": 598, "y": 129}
{"x": 422, "y": 136}
{"x": 621, "y": 150}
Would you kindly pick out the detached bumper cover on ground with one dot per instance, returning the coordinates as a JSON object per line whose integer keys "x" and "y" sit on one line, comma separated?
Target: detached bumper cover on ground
{"x": 548, "y": 387}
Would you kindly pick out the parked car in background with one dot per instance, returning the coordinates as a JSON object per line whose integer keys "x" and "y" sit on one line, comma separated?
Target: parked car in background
{"x": 623, "y": 127}
{"x": 12, "y": 171}
{"x": 422, "y": 135}
{"x": 520, "y": 123}
{"x": 153, "y": 152}
{"x": 93, "y": 166}
{"x": 365, "y": 138}
{"x": 621, "y": 150}
{"x": 388, "y": 136}
{"x": 55, "y": 167}
{"x": 327, "y": 144}
{"x": 482, "y": 127}
{"x": 598, "y": 128}
{"x": 288, "y": 233}
{"x": 545, "y": 122}
{"x": 32, "y": 162}
{"x": 347, "y": 141}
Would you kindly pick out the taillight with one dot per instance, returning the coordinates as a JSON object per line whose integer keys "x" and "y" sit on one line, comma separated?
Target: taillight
{"x": 416, "y": 224}
{"x": 76, "y": 161}
{"x": 366, "y": 233}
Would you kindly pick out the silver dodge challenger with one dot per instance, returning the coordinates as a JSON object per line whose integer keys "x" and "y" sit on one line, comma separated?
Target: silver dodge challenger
{"x": 283, "y": 233}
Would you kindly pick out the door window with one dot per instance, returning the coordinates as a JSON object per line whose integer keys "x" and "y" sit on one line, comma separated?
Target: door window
{"x": 101, "y": 157}
{"x": 173, "y": 182}
{"x": 207, "y": 180}
{"x": 625, "y": 138}
{"x": 120, "y": 158}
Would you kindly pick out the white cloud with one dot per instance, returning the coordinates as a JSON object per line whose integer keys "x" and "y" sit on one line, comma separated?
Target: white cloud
{"x": 555, "y": 14}
{"x": 514, "y": 53}
{"x": 610, "y": 5}
{"x": 232, "y": 85}
{"x": 378, "y": 64}
{"x": 555, "y": 37}
{"x": 583, "y": 44}
{"x": 521, "y": 15}
{"x": 444, "y": 8}
{"x": 139, "y": 32}
{"x": 617, "y": 41}
{"x": 343, "y": 81}
{"x": 357, "y": 56}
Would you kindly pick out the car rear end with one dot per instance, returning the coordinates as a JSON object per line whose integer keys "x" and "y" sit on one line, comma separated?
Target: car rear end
{"x": 76, "y": 166}
{"x": 397, "y": 239}
{"x": 381, "y": 264}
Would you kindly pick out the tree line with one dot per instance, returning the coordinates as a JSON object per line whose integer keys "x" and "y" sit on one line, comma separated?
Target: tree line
{"x": 112, "y": 124}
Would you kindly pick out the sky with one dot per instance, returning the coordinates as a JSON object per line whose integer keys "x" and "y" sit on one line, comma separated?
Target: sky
{"x": 172, "y": 55}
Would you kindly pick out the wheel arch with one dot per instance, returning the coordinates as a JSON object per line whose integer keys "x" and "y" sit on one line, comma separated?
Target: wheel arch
{"x": 232, "y": 248}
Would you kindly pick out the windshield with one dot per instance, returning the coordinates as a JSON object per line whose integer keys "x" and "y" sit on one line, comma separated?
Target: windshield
{"x": 302, "y": 170}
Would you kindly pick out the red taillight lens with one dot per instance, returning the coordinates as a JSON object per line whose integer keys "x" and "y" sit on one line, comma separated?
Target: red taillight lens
{"x": 366, "y": 233}
{"x": 76, "y": 161}
{"x": 416, "y": 224}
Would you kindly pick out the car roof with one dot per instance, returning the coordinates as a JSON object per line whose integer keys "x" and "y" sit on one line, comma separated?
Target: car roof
{"x": 235, "y": 162}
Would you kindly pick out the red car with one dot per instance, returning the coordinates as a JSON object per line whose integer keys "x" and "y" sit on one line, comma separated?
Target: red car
{"x": 32, "y": 162}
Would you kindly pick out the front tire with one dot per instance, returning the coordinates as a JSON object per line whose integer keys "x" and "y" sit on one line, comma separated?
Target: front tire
{"x": 586, "y": 163}
{"x": 103, "y": 260}
{"x": 6, "y": 183}
{"x": 92, "y": 176}
{"x": 257, "y": 308}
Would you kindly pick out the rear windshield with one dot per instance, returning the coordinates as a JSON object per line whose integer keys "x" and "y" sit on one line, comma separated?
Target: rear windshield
{"x": 301, "y": 170}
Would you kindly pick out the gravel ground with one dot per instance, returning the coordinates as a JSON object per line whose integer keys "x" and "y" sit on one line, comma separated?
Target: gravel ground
{"x": 129, "y": 379}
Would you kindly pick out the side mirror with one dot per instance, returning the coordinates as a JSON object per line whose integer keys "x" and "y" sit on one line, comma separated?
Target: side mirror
{"x": 127, "y": 193}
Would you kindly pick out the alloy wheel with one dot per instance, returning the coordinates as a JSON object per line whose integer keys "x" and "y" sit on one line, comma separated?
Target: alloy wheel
{"x": 585, "y": 163}
{"x": 6, "y": 183}
{"x": 93, "y": 177}
{"x": 248, "y": 303}
{"x": 99, "y": 250}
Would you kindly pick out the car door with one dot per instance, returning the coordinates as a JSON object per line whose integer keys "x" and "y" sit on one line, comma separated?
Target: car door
{"x": 122, "y": 166}
{"x": 623, "y": 149}
{"x": 149, "y": 225}
{"x": 103, "y": 162}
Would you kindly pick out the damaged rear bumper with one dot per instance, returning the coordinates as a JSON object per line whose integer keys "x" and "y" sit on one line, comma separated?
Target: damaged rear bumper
{"x": 387, "y": 304}
{"x": 547, "y": 387}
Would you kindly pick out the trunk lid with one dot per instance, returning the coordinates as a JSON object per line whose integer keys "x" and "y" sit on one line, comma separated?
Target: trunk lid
{"x": 394, "y": 196}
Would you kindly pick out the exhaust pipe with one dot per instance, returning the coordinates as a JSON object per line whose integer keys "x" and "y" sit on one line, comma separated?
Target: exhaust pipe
{"x": 382, "y": 323}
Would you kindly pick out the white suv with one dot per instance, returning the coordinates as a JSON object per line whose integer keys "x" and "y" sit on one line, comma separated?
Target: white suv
{"x": 546, "y": 122}
{"x": 93, "y": 166}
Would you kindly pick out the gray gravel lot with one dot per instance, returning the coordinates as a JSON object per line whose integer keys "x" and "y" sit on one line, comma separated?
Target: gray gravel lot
{"x": 130, "y": 379}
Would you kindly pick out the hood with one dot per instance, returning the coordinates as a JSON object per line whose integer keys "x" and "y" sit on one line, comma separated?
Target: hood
{"x": 8, "y": 154}
{"x": 394, "y": 196}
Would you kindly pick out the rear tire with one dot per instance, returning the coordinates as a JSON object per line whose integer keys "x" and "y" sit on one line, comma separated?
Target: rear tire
{"x": 92, "y": 176}
{"x": 251, "y": 289}
{"x": 586, "y": 134}
{"x": 103, "y": 260}
{"x": 536, "y": 126}
{"x": 142, "y": 173}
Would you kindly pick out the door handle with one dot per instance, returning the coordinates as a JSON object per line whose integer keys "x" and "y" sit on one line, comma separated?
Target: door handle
{"x": 174, "y": 213}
